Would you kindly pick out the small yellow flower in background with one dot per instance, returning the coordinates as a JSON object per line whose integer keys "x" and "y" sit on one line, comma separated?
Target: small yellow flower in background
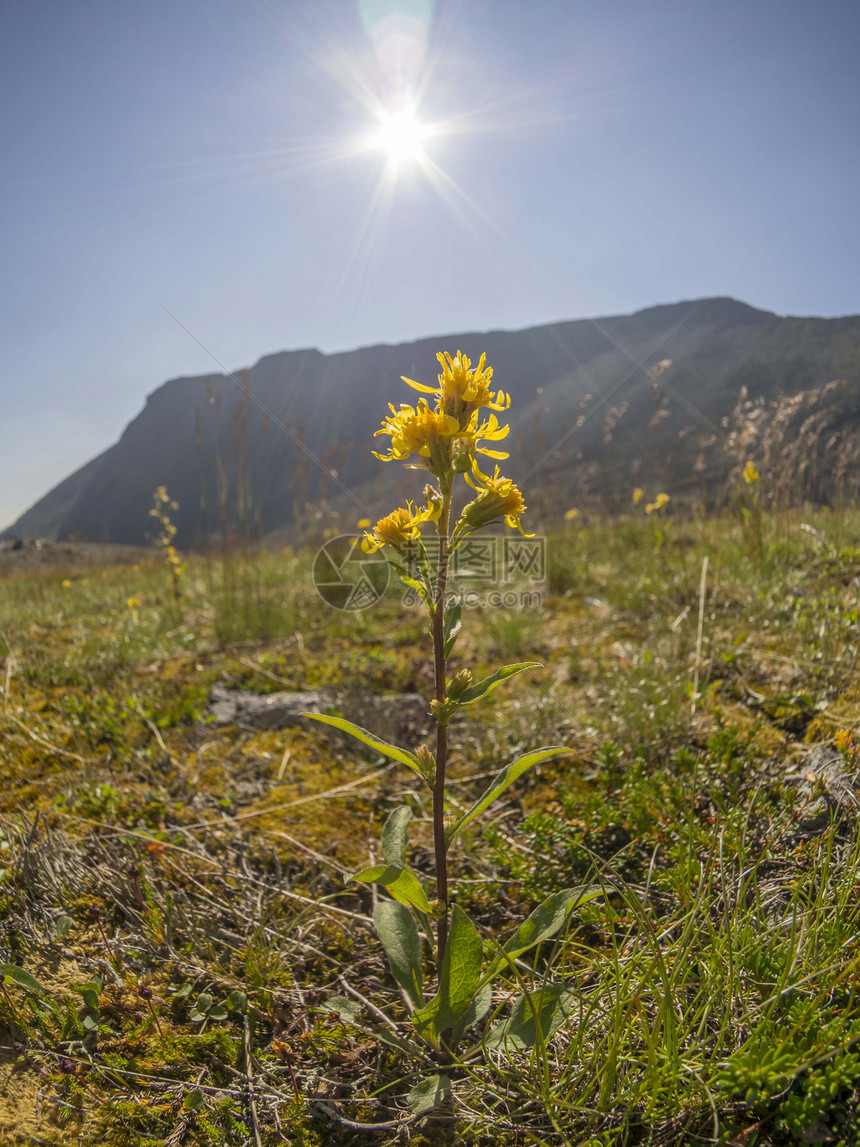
{"x": 66, "y": 583}
{"x": 638, "y": 495}
{"x": 164, "y": 539}
{"x": 497, "y": 498}
{"x": 571, "y": 515}
{"x": 658, "y": 503}
{"x": 362, "y": 523}
{"x": 750, "y": 474}
{"x": 133, "y": 602}
{"x": 85, "y": 581}
{"x": 843, "y": 740}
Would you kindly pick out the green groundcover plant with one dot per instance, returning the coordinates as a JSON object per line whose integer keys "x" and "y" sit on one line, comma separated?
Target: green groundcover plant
{"x": 447, "y": 440}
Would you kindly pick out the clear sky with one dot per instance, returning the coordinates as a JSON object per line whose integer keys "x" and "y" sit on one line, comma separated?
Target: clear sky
{"x": 210, "y": 158}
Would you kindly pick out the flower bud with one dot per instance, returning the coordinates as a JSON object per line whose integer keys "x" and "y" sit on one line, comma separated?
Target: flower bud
{"x": 458, "y": 685}
{"x": 440, "y": 711}
{"x": 433, "y": 498}
{"x": 427, "y": 762}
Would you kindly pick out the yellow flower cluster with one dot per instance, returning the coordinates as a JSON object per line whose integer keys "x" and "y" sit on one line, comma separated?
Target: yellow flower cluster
{"x": 173, "y": 559}
{"x": 843, "y": 740}
{"x": 399, "y": 528}
{"x": 750, "y": 474}
{"x": 448, "y": 436}
{"x": 446, "y": 439}
{"x": 463, "y": 389}
{"x": 160, "y": 511}
{"x": 658, "y": 503}
{"x": 497, "y": 498}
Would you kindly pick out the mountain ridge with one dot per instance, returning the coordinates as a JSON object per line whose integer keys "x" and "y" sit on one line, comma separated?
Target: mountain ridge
{"x": 582, "y": 400}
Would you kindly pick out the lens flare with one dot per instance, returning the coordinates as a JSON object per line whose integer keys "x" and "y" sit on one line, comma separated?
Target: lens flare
{"x": 402, "y": 136}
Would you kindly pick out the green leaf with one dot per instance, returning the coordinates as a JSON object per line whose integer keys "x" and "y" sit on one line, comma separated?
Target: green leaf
{"x": 419, "y": 586}
{"x": 390, "y": 1039}
{"x": 476, "y": 1010}
{"x": 194, "y": 1100}
{"x": 236, "y": 1002}
{"x": 392, "y": 751}
{"x": 452, "y": 624}
{"x": 482, "y": 688}
{"x": 345, "y": 1009}
{"x": 504, "y": 779}
{"x": 550, "y": 1007}
{"x": 89, "y": 1023}
{"x": 62, "y": 926}
{"x": 406, "y": 577}
{"x": 90, "y": 996}
{"x": 402, "y": 884}
{"x": 204, "y": 1002}
{"x": 458, "y": 981}
{"x": 429, "y": 1093}
{"x": 218, "y": 1013}
{"x": 547, "y": 919}
{"x": 394, "y": 836}
{"x": 399, "y": 935}
{"x": 21, "y": 978}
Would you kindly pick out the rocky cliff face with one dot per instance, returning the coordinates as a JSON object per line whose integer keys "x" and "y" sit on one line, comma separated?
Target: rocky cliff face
{"x": 262, "y": 451}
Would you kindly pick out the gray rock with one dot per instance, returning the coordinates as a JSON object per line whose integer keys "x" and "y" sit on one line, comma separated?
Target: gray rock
{"x": 830, "y": 790}
{"x": 264, "y": 710}
{"x": 399, "y": 717}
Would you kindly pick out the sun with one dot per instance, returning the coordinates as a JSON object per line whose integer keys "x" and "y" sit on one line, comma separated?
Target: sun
{"x": 401, "y": 136}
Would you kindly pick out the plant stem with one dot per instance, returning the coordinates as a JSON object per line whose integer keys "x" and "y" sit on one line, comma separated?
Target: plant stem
{"x": 439, "y": 844}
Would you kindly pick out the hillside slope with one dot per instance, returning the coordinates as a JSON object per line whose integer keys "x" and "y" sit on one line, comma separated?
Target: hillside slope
{"x": 586, "y": 420}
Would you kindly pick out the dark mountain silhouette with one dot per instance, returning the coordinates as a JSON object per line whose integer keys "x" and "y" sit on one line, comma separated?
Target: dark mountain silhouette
{"x": 263, "y": 451}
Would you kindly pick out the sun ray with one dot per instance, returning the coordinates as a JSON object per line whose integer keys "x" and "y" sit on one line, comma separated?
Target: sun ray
{"x": 371, "y": 223}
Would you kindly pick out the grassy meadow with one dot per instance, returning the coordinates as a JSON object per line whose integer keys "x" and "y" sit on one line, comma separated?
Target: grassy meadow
{"x": 185, "y": 962}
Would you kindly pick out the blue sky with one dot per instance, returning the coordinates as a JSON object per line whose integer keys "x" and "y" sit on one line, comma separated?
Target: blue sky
{"x": 207, "y": 158}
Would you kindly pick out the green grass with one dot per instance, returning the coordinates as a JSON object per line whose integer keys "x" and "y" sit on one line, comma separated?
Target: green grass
{"x": 713, "y": 988}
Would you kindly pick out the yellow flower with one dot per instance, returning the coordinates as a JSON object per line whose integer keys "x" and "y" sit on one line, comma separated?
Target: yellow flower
{"x": 400, "y": 527}
{"x": 448, "y": 436}
{"x": 658, "y": 503}
{"x": 638, "y": 495}
{"x": 750, "y": 474}
{"x": 422, "y": 431}
{"x": 133, "y": 602}
{"x": 174, "y": 560}
{"x": 66, "y": 583}
{"x": 463, "y": 388}
{"x": 842, "y": 740}
{"x": 363, "y": 523}
{"x": 469, "y": 442}
{"x": 497, "y": 498}
{"x": 571, "y": 515}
